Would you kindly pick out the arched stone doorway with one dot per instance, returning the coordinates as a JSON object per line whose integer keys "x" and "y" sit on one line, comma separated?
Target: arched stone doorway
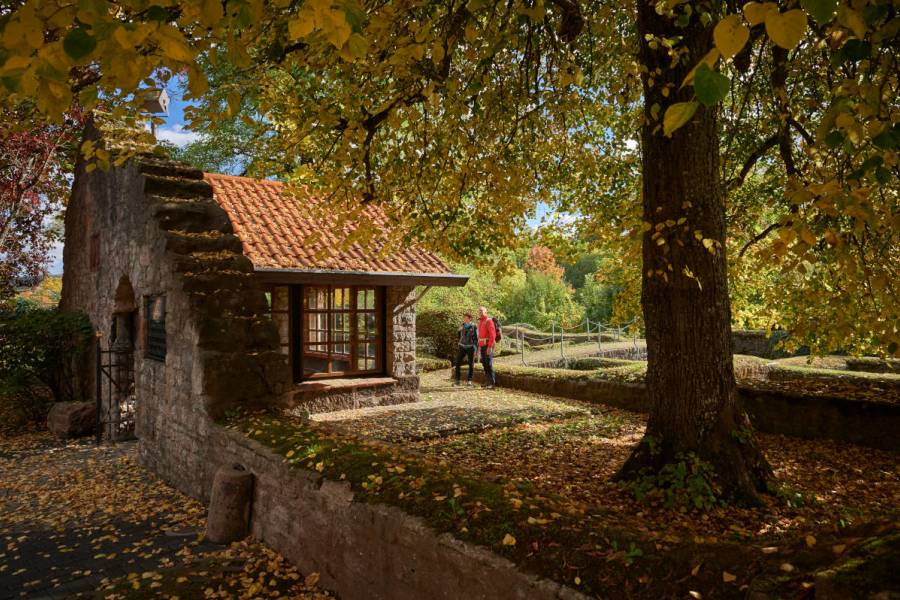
{"x": 116, "y": 378}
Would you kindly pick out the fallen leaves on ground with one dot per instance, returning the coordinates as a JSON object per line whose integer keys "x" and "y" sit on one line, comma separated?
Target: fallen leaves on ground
{"x": 825, "y": 483}
{"x": 76, "y": 517}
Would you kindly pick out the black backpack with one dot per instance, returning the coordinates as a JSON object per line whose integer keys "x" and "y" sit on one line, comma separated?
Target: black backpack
{"x": 499, "y": 333}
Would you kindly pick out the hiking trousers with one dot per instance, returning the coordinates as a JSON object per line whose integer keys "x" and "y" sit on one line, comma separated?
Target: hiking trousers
{"x": 469, "y": 355}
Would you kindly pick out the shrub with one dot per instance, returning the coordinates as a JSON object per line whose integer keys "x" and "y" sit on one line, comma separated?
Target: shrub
{"x": 439, "y": 326}
{"x": 430, "y": 363}
{"x": 39, "y": 349}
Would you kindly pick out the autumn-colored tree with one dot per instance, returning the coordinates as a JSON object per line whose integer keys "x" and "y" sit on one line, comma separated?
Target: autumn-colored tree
{"x": 541, "y": 259}
{"x": 458, "y": 117}
{"x": 34, "y": 166}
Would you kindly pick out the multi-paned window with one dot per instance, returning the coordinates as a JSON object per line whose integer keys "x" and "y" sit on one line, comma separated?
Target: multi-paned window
{"x": 330, "y": 330}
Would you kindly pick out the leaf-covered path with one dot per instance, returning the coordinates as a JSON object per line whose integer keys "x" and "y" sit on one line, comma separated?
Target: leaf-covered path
{"x": 81, "y": 521}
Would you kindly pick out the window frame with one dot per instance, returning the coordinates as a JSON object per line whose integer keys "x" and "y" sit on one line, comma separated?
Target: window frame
{"x": 298, "y": 332}
{"x": 151, "y": 350}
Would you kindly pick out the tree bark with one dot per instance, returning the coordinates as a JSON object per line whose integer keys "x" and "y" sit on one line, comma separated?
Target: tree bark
{"x": 684, "y": 291}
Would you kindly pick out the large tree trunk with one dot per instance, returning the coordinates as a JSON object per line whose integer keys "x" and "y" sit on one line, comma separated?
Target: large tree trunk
{"x": 690, "y": 377}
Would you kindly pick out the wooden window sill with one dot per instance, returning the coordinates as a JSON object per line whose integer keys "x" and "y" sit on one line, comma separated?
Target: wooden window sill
{"x": 341, "y": 384}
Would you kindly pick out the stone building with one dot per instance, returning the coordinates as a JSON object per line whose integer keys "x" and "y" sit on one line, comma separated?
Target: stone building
{"x": 212, "y": 293}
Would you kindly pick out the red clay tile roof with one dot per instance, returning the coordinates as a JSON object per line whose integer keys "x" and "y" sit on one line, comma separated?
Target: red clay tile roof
{"x": 278, "y": 232}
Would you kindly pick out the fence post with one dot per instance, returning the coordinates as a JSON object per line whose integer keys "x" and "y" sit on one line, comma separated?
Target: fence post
{"x": 552, "y": 333}
{"x": 99, "y": 390}
{"x": 562, "y": 342}
{"x": 522, "y": 346}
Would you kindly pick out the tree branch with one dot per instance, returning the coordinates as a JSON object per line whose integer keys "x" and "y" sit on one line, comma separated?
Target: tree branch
{"x": 800, "y": 129}
{"x": 758, "y": 238}
{"x": 752, "y": 160}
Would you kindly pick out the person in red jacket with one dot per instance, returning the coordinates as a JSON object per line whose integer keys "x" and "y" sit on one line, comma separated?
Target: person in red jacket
{"x": 487, "y": 335}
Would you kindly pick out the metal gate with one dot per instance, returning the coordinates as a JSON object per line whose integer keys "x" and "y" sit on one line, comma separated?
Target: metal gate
{"x": 115, "y": 394}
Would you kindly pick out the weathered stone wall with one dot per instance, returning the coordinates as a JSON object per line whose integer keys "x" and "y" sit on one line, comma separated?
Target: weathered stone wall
{"x": 161, "y": 232}
{"x": 863, "y": 422}
{"x": 400, "y": 391}
{"x": 366, "y": 551}
{"x": 758, "y": 342}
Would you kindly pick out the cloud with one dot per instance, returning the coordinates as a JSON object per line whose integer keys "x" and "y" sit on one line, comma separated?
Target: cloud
{"x": 177, "y": 135}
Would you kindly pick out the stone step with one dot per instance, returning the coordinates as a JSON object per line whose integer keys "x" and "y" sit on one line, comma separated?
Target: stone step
{"x": 176, "y": 187}
{"x": 193, "y": 217}
{"x": 182, "y": 242}
{"x": 151, "y": 165}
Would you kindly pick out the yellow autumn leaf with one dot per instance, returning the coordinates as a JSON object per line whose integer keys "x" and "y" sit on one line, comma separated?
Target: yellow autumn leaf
{"x": 755, "y": 12}
{"x": 211, "y": 12}
{"x": 677, "y": 115}
{"x": 508, "y": 540}
{"x": 786, "y": 29}
{"x": 730, "y": 35}
{"x": 300, "y": 26}
{"x": 174, "y": 46}
{"x": 14, "y": 63}
{"x": 852, "y": 20}
{"x": 728, "y": 577}
{"x": 810, "y": 539}
{"x": 121, "y": 36}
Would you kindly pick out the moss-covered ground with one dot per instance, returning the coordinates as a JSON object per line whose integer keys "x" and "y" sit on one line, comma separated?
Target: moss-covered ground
{"x": 539, "y": 490}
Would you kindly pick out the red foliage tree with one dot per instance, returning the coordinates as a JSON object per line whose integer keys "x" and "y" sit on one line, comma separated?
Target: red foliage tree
{"x": 541, "y": 259}
{"x": 35, "y": 168}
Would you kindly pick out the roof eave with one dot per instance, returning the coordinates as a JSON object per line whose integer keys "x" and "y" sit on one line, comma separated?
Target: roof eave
{"x": 335, "y": 276}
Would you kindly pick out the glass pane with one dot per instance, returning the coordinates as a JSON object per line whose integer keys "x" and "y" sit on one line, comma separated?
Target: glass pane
{"x": 341, "y": 298}
{"x": 315, "y": 298}
{"x": 365, "y": 325}
{"x": 365, "y": 298}
{"x": 340, "y": 325}
{"x": 279, "y": 298}
{"x": 340, "y": 365}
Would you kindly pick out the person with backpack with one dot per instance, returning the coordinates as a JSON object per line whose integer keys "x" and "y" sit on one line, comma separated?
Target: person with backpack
{"x": 487, "y": 337}
{"x": 468, "y": 345}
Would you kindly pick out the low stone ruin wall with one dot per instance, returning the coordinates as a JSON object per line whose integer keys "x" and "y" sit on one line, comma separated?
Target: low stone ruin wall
{"x": 863, "y": 422}
{"x": 304, "y": 402}
{"x": 365, "y": 551}
{"x": 758, "y": 342}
